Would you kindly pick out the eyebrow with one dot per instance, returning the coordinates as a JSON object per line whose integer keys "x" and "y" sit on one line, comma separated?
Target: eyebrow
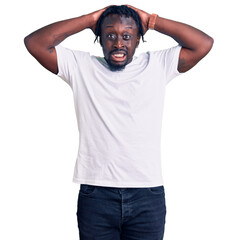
{"x": 111, "y": 26}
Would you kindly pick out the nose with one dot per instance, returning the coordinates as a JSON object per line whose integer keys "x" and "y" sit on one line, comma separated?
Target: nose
{"x": 119, "y": 43}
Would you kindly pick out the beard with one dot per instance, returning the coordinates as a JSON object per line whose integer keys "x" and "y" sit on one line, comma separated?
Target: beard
{"x": 116, "y": 67}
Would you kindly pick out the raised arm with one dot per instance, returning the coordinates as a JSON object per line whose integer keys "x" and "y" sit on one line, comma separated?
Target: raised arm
{"x": 41, "y": 43}
{"x": 195, "y": 43}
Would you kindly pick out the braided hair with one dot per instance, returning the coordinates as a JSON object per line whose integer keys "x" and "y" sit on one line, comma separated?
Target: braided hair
{"x": 120, "y": 10}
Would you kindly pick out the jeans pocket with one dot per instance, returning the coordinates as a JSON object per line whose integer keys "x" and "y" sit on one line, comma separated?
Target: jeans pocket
{"x": 156, "y": 190}
{"x": 87, "y": 190}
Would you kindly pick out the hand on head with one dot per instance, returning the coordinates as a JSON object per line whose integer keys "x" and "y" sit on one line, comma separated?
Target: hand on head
{"x": 143, "y": 15}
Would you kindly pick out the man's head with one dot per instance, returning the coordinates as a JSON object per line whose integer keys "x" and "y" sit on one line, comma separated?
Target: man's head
{"x": 119, "y": 29}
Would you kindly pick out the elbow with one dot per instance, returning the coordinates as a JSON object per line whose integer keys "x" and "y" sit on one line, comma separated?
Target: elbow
{"x": 207, "y": 45}
{"x": 31, "y": 44}
{"x": 210, "y": 43}
{"x": 27, "y": 42}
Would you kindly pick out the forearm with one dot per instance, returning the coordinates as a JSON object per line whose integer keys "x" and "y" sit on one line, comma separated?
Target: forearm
{"x": 41, "y": 43}
{"x": 195, "y": 43}
{"x": 53, "y": 34}
{"x": 187, "y": 36}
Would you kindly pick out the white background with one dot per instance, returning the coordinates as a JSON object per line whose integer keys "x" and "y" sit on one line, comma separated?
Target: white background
{"x": 39, "y": 136}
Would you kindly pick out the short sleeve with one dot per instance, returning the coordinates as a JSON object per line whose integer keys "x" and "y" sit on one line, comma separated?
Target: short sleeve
{"x": 168, "y": 59}
{"x": 66, "y": 63}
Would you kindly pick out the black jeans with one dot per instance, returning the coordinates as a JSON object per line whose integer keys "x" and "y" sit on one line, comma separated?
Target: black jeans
{"x": 107, "y": 213}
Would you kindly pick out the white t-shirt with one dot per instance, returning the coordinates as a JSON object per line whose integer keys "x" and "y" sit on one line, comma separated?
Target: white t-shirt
{"x": 119, "y": 116}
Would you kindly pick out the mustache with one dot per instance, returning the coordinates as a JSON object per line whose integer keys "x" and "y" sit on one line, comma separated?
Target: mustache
{"x": 118, "y": 50}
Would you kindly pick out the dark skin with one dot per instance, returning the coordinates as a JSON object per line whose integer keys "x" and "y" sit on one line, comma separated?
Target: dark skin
{"x": 41, "y": 43}
{"x": 119, "y": 40}
{"x": 195, "y": 43}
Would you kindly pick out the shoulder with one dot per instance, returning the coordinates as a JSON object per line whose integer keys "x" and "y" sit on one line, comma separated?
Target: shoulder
{"x": 71, "y": 54}
{"x": 166, "y": 53}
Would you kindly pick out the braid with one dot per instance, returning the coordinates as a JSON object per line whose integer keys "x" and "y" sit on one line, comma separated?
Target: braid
{"x": 120, "y": 10}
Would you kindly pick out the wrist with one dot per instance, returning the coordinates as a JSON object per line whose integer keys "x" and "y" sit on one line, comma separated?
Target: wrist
{"x": 151, "y": 24}
{"x": 89, "y": 20}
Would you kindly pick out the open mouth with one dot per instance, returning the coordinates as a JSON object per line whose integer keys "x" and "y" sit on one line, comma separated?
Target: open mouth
{"x": 118, "y": 57}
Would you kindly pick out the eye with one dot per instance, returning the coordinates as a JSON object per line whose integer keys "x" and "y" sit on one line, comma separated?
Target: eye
{"x": 127, "y": 37}
{"x": 111, "y": 36}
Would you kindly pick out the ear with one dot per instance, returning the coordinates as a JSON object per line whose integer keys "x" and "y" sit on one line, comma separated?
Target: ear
{"x": 100, "y": 41}
{"x": 138, "y": 41}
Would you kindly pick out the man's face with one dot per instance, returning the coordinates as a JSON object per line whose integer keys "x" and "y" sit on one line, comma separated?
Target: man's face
{"x": 119, "y": 39}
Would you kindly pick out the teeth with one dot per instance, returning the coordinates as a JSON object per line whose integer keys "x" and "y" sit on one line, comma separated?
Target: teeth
{"x": 119, "y": 55}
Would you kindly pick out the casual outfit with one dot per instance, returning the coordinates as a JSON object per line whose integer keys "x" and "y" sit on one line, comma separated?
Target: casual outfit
{"x": 119, "y": 116}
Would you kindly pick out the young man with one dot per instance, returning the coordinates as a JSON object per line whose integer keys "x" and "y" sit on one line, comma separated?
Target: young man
{"x": 119, "y": 103}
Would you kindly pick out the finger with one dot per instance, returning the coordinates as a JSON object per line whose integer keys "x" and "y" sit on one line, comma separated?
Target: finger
{"x": 132, "y": 7}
